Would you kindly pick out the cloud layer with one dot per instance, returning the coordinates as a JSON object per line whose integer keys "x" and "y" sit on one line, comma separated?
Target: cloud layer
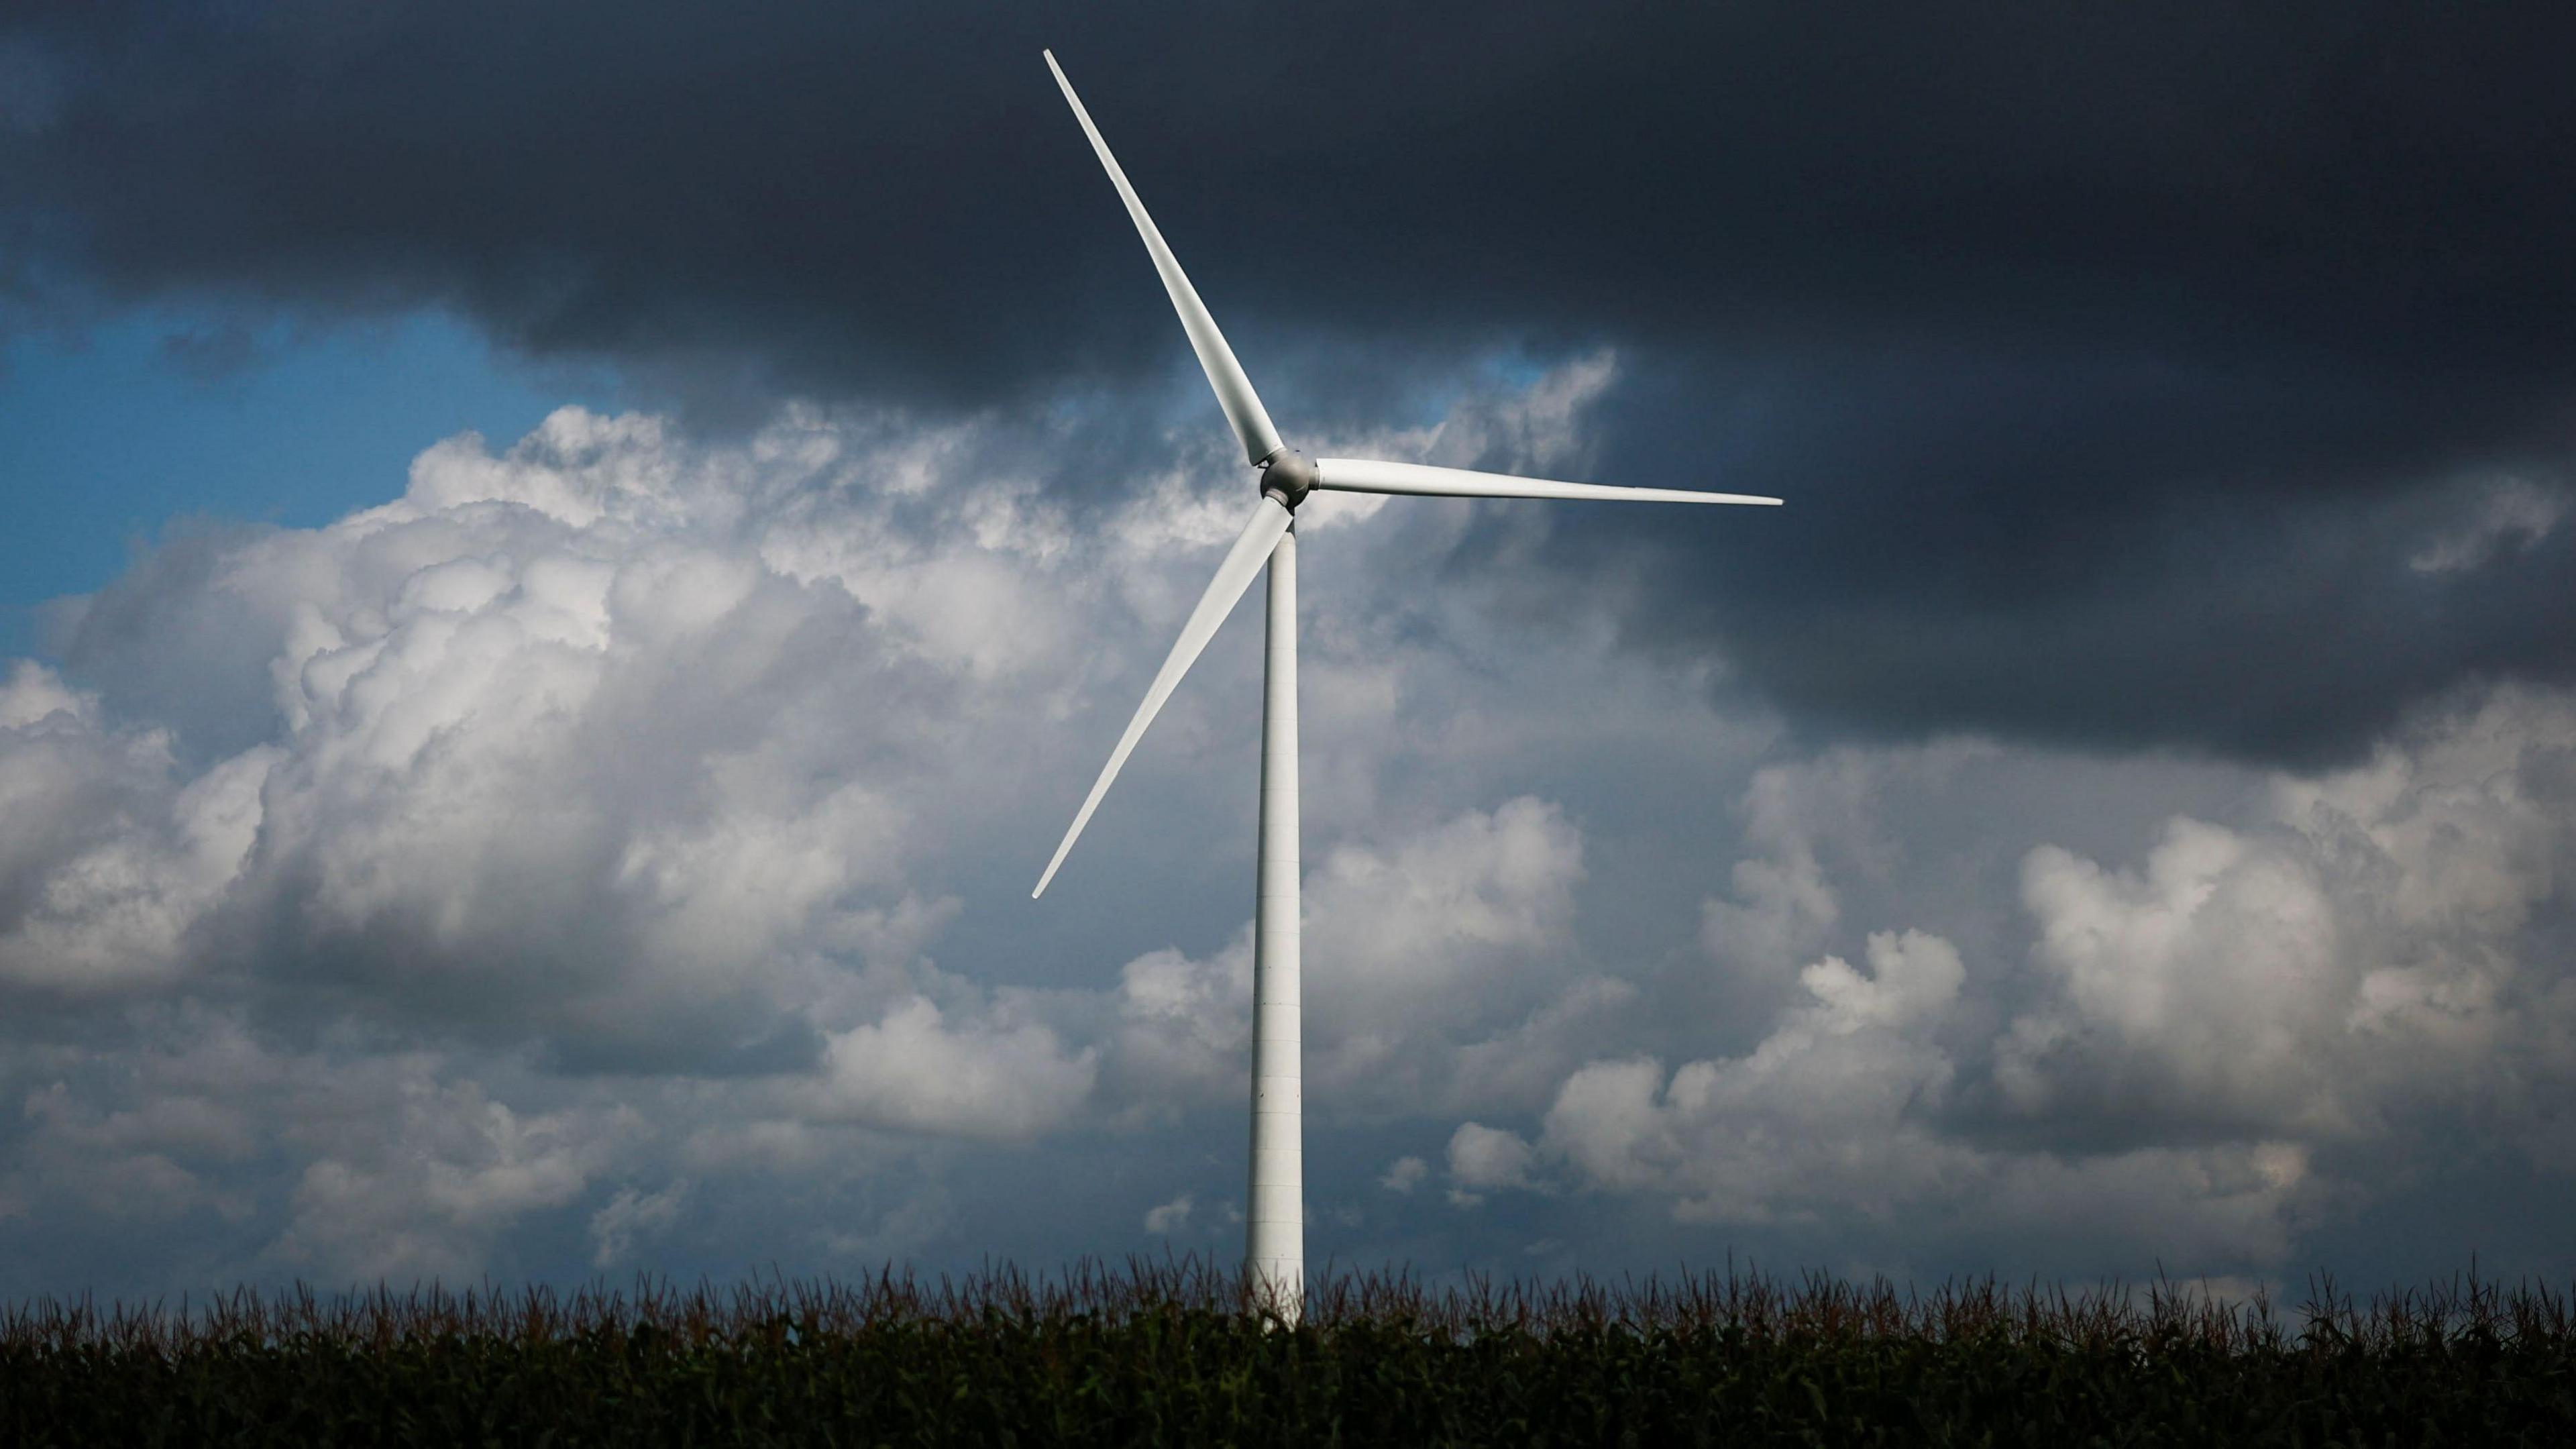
{"x": 614, "y": 850}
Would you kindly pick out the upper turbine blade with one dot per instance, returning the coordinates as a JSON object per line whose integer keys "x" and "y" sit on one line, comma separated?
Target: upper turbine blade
{"x": 1367, "y": 475}
{"x": 1233, "y": 389}
{"x": 1242, "y": 562}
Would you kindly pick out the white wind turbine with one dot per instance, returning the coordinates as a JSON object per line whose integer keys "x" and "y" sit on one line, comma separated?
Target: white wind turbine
{"x": 1275, "y": 1247}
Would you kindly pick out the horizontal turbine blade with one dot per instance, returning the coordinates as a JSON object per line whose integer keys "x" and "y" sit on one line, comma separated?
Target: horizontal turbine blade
{"x": 1367, "y": 475}
{"x": 1233, "y": 390}
{"x": 1242, "y": 562}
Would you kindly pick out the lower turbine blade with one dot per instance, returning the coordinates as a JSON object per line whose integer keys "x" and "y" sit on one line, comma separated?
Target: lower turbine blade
{"x": 1367, "y": 475}
{"x": 1242, "y": 563}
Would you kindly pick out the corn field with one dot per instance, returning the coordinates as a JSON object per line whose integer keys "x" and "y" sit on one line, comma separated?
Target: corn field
{"x": 1170, "y": 1353}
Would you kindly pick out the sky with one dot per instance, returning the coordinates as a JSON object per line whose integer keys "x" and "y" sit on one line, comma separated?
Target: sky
{"x": 561, "y": 573}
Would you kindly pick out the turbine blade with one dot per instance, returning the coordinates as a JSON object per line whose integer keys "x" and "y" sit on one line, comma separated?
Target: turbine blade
{"x": 1242, "y": 563}
{"x": 1233, "y": 390}
{"x": 1367, "y": 475}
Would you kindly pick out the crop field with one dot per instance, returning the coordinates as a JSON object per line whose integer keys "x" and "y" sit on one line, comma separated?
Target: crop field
{"x": 1167, "y": 1353}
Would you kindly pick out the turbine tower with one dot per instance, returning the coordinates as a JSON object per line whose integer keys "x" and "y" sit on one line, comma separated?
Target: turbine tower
{"x": 1274, "y": 1252}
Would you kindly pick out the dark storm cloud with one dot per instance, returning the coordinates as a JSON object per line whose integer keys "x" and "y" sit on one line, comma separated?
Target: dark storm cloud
{"x": 2122, "y": 554}
{"x": 2117, "y": 360}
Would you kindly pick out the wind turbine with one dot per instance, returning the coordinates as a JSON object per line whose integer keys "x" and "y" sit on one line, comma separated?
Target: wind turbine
{"x": 1275, "y": 1232}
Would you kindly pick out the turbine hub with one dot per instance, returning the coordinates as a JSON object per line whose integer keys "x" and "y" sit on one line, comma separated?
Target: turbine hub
{"x": 1290, "y": 474}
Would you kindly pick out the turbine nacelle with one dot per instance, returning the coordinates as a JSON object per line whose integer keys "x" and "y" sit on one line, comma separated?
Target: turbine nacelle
{"x": 1289, "y": 475}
